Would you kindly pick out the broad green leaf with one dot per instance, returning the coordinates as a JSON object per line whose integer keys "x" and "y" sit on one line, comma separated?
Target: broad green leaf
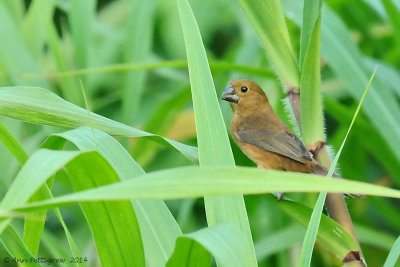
{"x": 188, "y": 252}
{"x": 114, "y": 226}
{"x": 37, "y": 105}
{"x": 136, "y": 48}
{"x": 20, "y": 191}
{"x": 312, "y": 229}
{"x": 269, "y": 23}
{"x": 224, "y": 241}
{"x": 212, "y": 138}
{"x": 34, "y": 222}
{"x": 43, "y": 163}
{"x": 196, "y": 182}
{"x": 153, "y": 215}
{"x": 16, "y": 248}
{"x": 394, "y": 255}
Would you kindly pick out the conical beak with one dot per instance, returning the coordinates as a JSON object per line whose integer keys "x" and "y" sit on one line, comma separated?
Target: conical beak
{"x": 229, "y": 94}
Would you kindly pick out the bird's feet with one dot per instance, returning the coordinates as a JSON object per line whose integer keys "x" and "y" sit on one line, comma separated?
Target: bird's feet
{"x": 279, "y": 195}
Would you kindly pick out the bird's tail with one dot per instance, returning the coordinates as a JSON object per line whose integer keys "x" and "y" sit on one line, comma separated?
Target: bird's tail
{"x": 322, "y": 171}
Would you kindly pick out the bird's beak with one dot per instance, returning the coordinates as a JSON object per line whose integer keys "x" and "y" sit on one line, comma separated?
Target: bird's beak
{"x": 229, "y": 94}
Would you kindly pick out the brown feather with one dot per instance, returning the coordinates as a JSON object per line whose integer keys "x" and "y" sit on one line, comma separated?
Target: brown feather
{"x": 260, "y": 133}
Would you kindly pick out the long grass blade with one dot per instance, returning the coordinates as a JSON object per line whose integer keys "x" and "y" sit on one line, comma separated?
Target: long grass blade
{"x": 37, "y": 105}
{"x": 212, "y": 138}
{"x": 178, "y": 183}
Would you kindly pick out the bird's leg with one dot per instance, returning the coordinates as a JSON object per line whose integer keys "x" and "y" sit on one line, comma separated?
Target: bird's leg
{"x": 279, "y": 195}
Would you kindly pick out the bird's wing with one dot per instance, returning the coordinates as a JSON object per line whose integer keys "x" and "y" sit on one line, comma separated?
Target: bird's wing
{"x": 282, "y": 143}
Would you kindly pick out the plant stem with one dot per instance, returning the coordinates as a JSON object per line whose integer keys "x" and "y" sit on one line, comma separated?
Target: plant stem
{"x": 335, "y": 203}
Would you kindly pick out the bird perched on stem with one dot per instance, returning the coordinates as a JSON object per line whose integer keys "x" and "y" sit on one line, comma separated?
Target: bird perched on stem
{"x": 262, "y": 136}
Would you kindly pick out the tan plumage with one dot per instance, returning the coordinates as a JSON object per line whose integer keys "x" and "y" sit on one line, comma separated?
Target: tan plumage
{"x": 260, "y": 133}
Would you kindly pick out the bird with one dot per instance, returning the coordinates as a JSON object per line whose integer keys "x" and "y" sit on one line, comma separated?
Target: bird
{"x": 262, "y": 135}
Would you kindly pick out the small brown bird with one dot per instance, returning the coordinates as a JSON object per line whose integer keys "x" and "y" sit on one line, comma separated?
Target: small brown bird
{"x": 260, "y": 133}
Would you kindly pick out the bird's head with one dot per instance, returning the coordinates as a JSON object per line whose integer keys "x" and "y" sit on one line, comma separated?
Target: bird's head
{"x": 244, "y": 94}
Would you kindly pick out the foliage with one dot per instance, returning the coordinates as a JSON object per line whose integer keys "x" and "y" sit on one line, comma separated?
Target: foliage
{"x": 73, "y": 191}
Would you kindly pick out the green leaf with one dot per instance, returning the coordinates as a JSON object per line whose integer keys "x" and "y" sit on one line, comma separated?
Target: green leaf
{"x": 196, "y": 182}
{"x": 212, "y": 138}
{"x": 188, "y": 252}
{"x": 12, "y": 145}
{"x": 188, "y": 182}
{"x": 34, "y": 222}
{"x": 37, "y": 105}
{"x": 394, "y": 255}
{"x": 268, "y": 21}
{"x": 113, "y": 225}
{"x": 224, "y": 241}
{"x": 310, "y": 97}
{"x": 311, "y": 14}
{"x": 153, "y": 215}
{"x": 43, "y": 163}
{"x": 16, "y": 248}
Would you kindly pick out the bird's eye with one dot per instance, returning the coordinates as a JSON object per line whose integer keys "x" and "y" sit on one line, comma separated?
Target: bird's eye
{"x": 244, "y": 89}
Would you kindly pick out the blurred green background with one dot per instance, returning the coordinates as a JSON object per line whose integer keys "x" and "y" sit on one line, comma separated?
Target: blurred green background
{"x": 133, "y": 57}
